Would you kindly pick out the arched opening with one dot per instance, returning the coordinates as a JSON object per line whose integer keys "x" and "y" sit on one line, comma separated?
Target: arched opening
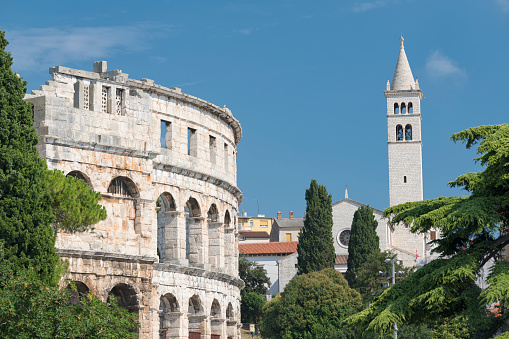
{"x": 169, "y": 315}
{"x": 166, "y": 208}
{"x": 213, "y": 213}
{"x": 227, "y": 219}
{"x": 215, "y": 310}
{"x": 122, "y": 208}
{"x": 399, "y": 133}
{"x": 77, "y": 292}
{"x": 81, "y": 176}
{"x": 396, "y": 108}
{"x": 216, "y": 320}
{"x": 196, "y": 317}
{"x": 403, "y": 108}
{"x": 410, "y": 108}
{"x": 126, "y": 297}
{"x": 230, "y": 321}
{"x": 194, "y": 246}
{"x": 408, "y": 132}
{"x": 230, "y": 314}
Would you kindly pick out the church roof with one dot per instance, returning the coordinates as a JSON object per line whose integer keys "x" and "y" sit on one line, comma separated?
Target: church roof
{"x": 356, "y": 203}
{"x": 403, "y": 80}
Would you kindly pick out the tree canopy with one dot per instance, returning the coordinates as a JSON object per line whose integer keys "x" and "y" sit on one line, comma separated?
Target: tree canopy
{"x": 316, "y": 245}
{"x": 472, "y": 233}
{"x": 25, "y": 202}
{"x": 74, "y": 203}
{"x": 363, "y": 241}
{"x": 312, "y": 306}
{"x": 256, "y": 286}
{"x": 29, "y": 309}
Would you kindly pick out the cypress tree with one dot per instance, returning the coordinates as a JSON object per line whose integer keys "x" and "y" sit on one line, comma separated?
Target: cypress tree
{"x": 316, "y": 245}
{"x": 25, "y": 203}
{"x": 363, "y": 241}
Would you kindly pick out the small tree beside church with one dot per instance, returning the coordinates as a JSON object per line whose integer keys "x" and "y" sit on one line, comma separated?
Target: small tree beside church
{"x": 316, "y": 245}
{"x": 363, "y": 241}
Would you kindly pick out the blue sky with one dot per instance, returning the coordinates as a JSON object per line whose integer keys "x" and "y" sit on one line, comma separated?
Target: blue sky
{"x": 304, "y": 79}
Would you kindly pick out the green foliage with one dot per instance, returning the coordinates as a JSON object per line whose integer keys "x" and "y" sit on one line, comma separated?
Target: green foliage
{"x": 363, "y": 241}
{"x": 472, "y": 234}
{"x": 368, "y": 282}
{"x": 74, "y": 203}
{"x": 312, "y": 306}
{"x": 251, "y": 307}
{"x": 316, "y": 245}
{"x": 254, "y": 277}
{"x": 28, "y": 309}
{"x": 256, "y": 284}
{"x": 25, "y": 203}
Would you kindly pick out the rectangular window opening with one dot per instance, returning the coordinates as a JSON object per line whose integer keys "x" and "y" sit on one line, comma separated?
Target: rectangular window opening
{"x": 192, "y": 143}
{"x": 226, "y": 157}
{"x": 288, "y": 237}
{"x": 119, "y": 101}
{"x": 433, "y": 235}
{"x": 105, "y": 99}
{"x": 212, "y": 149}
{"x": 404, "y": 179}
{"x": 165, "y": 134}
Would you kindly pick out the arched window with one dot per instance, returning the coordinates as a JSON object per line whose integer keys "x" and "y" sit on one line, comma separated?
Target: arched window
{"x": 396, "y": 108}
{"x": 410, "y": 108}
{"x": 399, "y": 133}
{"x": 408, "y": 132}
{"x": 78, "y": 291}
{"x": 195, "y": 307}
{"x": 403, "y": 108}
{"x": 81, "y": 176}
{"x": 126, "y": 297}
{"x": 227, "y": 219}
{"x": 213, "y": 214}
{"x": 229, "y": 312}
{"x": 119, "y": 186}
{"x": 215, "y": 310}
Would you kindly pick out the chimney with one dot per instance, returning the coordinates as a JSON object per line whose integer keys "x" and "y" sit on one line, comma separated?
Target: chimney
{"x": 291, "y": 215}
{"x": 279, "y": 215}
{"x": 100, "y": 66}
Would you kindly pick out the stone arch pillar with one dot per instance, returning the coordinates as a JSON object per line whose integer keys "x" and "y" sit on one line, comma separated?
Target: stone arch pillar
{"x": 216, "y": 245}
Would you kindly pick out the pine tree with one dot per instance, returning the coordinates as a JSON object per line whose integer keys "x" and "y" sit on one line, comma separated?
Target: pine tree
{"x": 316, "y": 246}
{"x": 363, "y": 241}
{"x": 25, "y": 203}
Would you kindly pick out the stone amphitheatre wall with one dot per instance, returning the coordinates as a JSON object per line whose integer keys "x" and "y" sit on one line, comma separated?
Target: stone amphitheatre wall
{"x": 165, "y": 165}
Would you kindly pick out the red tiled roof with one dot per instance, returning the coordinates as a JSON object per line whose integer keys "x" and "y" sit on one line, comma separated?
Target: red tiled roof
{"x": 255, "y": 234}
{"x": 340, "y": 259}
{"x": 267, "y": 248}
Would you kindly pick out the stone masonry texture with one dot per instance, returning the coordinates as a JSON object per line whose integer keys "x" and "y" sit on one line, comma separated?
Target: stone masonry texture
{"x": 165, "y": 165}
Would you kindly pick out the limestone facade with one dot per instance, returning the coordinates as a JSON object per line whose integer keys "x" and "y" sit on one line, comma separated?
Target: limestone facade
{"x": 165, "y": 165}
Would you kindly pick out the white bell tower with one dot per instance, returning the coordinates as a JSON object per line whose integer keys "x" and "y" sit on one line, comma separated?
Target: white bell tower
{"x": 404, "y": 130}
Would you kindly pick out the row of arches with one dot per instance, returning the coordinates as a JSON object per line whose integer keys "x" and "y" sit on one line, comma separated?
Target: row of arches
{"x": 402, "y": 108}
{"x": 405, "y": 134}
{"x": 184, "y": 235}
{"x": 170, "y": 310}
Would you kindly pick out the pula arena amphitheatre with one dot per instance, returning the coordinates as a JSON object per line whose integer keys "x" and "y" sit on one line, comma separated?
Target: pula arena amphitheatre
{"x": 165, "y": 165}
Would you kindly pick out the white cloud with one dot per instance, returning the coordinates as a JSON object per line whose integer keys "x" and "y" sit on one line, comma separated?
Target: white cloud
{"x": 366, "y": 6}
{"x": 503, "y": 4}
{"x": 439, "y": 65}
{"x": 244, "y": 31}
{"x": 40, "y": 48}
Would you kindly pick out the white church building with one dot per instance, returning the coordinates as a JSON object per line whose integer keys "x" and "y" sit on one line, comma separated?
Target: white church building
{"x": 405, "y": 173}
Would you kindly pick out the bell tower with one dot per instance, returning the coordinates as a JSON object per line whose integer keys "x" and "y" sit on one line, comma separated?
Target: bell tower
{"x": 404, "y": 131}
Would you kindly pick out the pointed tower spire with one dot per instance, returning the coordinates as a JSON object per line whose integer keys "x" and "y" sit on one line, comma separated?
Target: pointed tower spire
{"x": 403, "y": 78}
{"x": 346, "y": 192}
